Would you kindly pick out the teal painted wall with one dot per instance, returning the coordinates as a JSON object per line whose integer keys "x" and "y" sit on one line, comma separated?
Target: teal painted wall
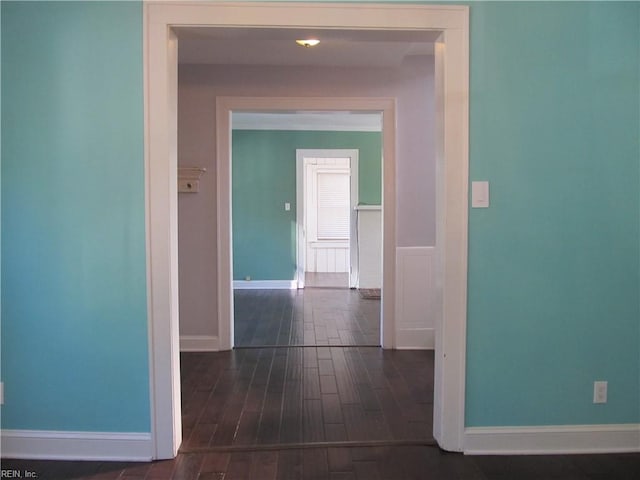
{"x": 264, "y": 178}
{"x": 553, "y": 265}
{"x": 74, "y": 320}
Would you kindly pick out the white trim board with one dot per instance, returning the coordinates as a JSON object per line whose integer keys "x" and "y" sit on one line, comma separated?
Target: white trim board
{"x": 199, "y": 343}
{"x": 333, "y": 122}
{"x": 452, "y": 170}
{"x": 225, "y": 106}
{"x": 265, "y": 284}
{"x": 55, "y": 445}
{"x": 561, "y": 439}
{"x": 416, "y": 290}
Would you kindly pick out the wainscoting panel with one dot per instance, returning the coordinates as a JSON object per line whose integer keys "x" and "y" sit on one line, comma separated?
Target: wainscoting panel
{"x": 328, "y": 257}
{"x": 415, "y": 286}
{"x": 369, "y": 246}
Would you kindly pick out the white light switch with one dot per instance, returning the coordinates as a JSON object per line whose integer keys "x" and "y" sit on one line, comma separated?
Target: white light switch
{"x": 287, "y": 206}
{"x": 600, "y": 391}
{"x": 480, "y": 194}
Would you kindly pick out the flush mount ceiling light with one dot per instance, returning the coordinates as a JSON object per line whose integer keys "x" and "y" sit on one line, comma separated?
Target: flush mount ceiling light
{"x": 310, "y": 42}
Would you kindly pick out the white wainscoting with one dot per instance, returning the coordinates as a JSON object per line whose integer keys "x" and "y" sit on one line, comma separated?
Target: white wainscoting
{"x": 369, "y": 246}
{"x": 54, "y": 445}
{"x": 561, "y": 439}
{"x": 199, "y": 343}
{"x": 415, "y": 323}
{"x": 327, "y": 257}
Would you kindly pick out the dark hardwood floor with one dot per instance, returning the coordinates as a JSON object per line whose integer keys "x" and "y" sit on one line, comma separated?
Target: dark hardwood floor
{"x": 294, "y": 395}
{"x": 313, "y": 316}
{"x": 372, "y": 463}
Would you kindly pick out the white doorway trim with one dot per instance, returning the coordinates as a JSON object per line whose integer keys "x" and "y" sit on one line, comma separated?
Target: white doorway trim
{"x": 225, "y": 106}
{"x": 301, "y": 154}
{"x": 452, "y": 95}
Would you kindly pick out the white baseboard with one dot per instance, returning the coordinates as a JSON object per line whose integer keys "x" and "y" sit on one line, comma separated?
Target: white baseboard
{"x": 416, "y": 339}
{"x": 53, "y": 445}
{"x": 199, "y": 343}
{"x": 265, "y": 284}
{"x": 562, "y": 439}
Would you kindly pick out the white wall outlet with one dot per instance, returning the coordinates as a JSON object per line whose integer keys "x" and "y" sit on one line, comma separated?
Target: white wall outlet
{"x": 600, "y": 392}
{"x": 287, "y": 206}
{"x": 247, "y": 278}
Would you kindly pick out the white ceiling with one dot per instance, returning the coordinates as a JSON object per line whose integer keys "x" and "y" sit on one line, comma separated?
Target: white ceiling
{"x": 276, "y": 46}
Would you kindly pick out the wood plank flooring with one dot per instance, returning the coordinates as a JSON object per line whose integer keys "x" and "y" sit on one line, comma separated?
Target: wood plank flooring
{"x": 306, "y": 395}
{"x": 313, "y": 316}
{"x": 379, "y": 463}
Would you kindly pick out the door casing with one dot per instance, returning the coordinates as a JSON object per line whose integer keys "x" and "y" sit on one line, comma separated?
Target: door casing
{"x": 301, "y": 154}
{"x": 225, "y": 107}
{"x": 452, "y": 172}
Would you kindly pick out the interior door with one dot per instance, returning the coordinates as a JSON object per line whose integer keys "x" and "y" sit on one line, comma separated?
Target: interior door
{"x": 324, "y": 178}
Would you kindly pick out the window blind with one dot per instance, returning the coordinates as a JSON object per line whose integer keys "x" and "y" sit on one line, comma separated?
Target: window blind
{"x": 333, "y": 205}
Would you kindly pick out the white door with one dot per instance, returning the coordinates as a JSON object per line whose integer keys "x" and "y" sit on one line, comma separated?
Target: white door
{"x": 327, "y": 215}
{"x": 327, "y": 195}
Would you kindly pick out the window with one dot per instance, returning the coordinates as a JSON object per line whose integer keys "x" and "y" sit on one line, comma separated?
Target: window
{"x": 333, "y": 205}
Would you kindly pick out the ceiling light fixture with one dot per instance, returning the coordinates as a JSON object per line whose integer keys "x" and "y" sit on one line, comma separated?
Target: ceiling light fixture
{"x": 310, "y": 42}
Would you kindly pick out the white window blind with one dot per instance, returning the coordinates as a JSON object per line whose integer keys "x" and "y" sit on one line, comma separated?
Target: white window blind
{"x": 333, "y": 205}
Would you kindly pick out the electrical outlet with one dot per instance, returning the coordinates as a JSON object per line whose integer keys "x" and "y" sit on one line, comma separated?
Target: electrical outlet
{"x": 600, "y": 392}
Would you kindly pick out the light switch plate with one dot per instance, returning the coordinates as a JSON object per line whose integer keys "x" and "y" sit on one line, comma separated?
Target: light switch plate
{"x": 600, "y": 391}
{"x": 480, "y": 194}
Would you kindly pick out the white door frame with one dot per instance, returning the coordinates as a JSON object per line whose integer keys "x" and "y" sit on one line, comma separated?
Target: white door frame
{"x": 452, "y": 97}
{"x": 225, "y": 106}
{"x": 301, "y": 154}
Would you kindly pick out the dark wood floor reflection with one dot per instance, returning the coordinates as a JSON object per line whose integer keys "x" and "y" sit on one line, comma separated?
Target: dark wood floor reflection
{"x": 313, "y": 316}
{"x": 270, "y": 396}
{"x": 380, "y": 463}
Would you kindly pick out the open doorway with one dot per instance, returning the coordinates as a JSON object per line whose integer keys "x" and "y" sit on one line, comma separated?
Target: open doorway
{"x": 452, "y": 58}
{"x": 298, "y": 230}
{"x": 327, "y": 237}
